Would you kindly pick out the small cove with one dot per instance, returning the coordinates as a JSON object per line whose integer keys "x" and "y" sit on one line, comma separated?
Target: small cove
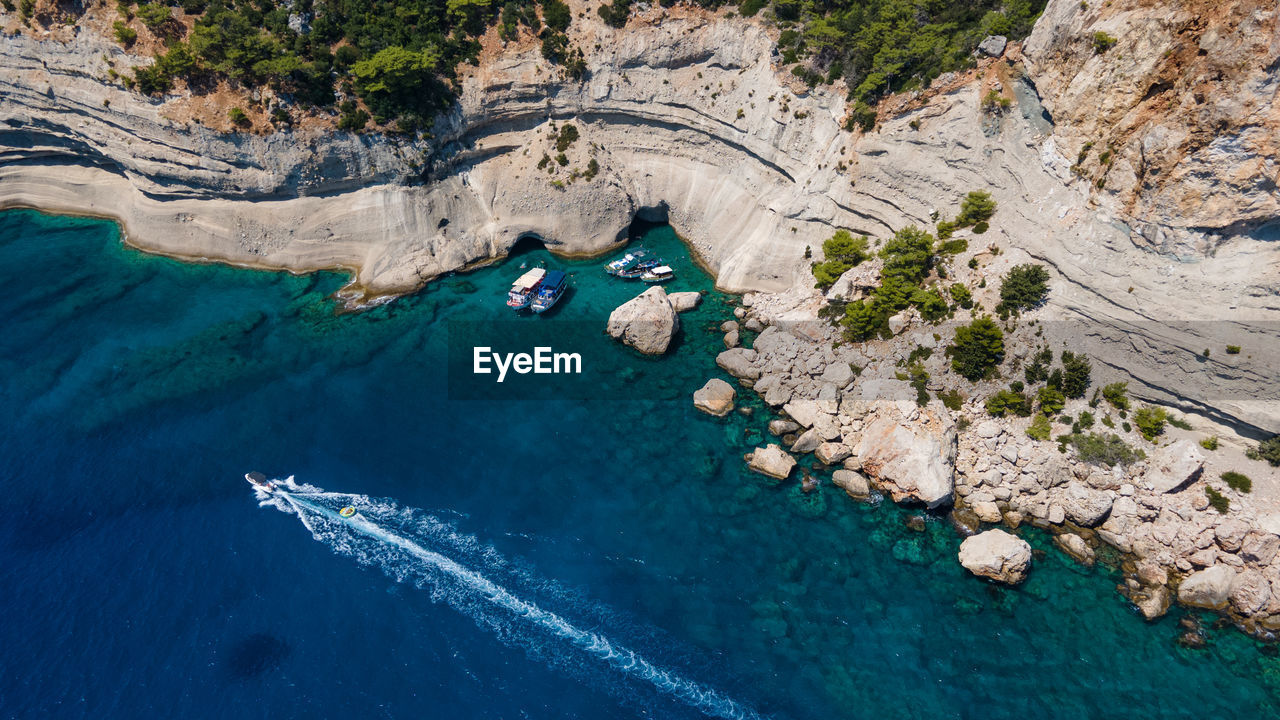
{"x": 149, "y": 584}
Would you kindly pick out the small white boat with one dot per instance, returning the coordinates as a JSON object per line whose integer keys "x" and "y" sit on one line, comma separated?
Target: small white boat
{"x": 659, "y": 274}
{"x": 260, "y": 481}
{"x": 524, "y": 288}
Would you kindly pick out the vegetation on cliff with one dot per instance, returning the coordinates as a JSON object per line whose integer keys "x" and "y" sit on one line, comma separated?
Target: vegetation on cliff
{"x": 397, "y": 56}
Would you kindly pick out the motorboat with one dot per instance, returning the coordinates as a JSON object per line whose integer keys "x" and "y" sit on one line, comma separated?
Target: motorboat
{"x": 524, "y": 288}
{"x": 549, "y": 293}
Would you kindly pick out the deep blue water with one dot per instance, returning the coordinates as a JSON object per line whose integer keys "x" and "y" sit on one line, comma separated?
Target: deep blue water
{"x": 141, "y": 578}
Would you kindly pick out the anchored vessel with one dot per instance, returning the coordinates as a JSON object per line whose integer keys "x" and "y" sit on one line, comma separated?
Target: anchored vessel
{"x": 626, "y": 262}
{"x": 523, "y": 289}
{"x": 659, "y": 274}
{"x": 549, "y": 292}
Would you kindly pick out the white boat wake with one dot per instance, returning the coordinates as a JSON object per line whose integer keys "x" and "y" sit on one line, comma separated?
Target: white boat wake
{"x": 382, "y": 534}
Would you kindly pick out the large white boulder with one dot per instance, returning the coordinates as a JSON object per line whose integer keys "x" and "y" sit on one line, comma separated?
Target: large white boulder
{"x": 647, "y": 322}
{"x": 1207, "y": 588}
{"x": 997, "y": 555}
{"x": 910, "y": 451}
{"x": 1174, "y": 467}
{"x": 715, "y": 398}
{"x": 771, "y": 460}
{"x": 1083, "y": 505}
{"x": 739, "y": 362}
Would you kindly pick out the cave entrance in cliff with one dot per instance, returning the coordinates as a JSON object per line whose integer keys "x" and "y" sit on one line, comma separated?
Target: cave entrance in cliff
{"x": 526, "y": 244}
{"x": 646, "y": 219}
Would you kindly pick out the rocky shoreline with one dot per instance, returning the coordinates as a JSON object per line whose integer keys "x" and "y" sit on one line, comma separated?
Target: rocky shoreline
{"x": 847, "y": 408}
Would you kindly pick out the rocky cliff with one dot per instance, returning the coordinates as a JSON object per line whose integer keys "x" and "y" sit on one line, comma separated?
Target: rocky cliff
{"x": 690, "y": 116}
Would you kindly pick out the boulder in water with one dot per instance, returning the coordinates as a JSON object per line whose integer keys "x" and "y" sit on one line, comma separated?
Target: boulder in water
{"x": 683, "y": 301}
{"x": 771, "y": 460}
{"x": 715, "y": 398}
{"x": 997, "y": 555}
{"x": 647, "y": 322}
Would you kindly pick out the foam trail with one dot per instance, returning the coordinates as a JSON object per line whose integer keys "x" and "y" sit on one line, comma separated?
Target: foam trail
{"x": 617, "y": 657}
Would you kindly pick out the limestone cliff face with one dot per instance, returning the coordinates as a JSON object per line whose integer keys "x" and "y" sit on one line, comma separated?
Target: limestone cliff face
{"x": 688, "y": 117}
{"x": 1177, "y": 123}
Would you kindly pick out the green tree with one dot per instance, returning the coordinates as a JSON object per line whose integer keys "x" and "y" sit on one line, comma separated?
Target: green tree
{"x": 154, "y": 15}
{"x": 1117, "y": 394}
{"x": 978, "y": 348}
{"x": 1024, "y": 287}
{"x": 842, "y": 250}
{"x": 961, "y": 296}
{"x": 399, "y": 80}
{"x": 1040, "y": 429}
{"x": 1075, "y": 374}
{"x": 556, "y": 15}
{"x": 976, "y": 207}
{"x": 1007, "y": 402}
{"x": 1051, "y": 400}
{"x": 861, "y": 321}
{"x": 1150, "y": 421}
{"x": 1269, "y": 450}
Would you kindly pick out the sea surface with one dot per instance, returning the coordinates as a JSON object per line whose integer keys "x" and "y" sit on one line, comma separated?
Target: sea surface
{"x": 573, "y": 546}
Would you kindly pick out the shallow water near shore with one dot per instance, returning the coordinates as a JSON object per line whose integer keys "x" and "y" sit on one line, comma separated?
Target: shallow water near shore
{"x": 143, "y": 580}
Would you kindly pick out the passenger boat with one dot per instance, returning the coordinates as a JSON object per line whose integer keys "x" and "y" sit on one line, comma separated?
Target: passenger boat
{"x": 659, "y": 274}
{"x": 524, "y": 288}
{"x": 549, "y": 292}
{"x": 626, "y": 262}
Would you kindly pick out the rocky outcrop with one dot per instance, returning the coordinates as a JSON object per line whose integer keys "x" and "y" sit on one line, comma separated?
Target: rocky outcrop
{"x": 771, "y": 460}
{"x": 646, "y": 322}
{"x": 715, "y": 398}
{"x": 1175, "y": 466}
{"x": 910, "y": 452}
{"x": 996, "y": 555}
{"x": 1174, "y": 124}
{"x": 1208, "y": 588}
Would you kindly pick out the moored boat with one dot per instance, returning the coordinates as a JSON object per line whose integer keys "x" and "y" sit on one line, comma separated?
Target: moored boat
{"x": 549, "y": 292}
{"x": 626, "y": 262}
{"x": 639, "y": 269}
{"x": 658, "y": 274}
{"x": 524, "y": 288}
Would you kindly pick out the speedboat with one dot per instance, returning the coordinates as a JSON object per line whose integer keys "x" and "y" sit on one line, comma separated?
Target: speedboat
{"x": 523, "y": 289}
{"x": 347, "y": 512}
{"x": 260, "y": 481}
{"x": 553, "y": 286}
{"x": 659, "y": 274}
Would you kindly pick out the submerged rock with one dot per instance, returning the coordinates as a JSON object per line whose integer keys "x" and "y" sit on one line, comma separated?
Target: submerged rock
{"x": 852, "y": 482}
{"x": 684, "y": 301}
{"x": 1076, "y": 547}
{"x": 771, "y": 460}
{"x": 715, "y": 398}
{"x": 997, "y": 555}
{"x": 647, "y": 322}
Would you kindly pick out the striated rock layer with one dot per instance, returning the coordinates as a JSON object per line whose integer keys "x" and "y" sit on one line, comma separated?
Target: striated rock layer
{"x": 688, "y": 118}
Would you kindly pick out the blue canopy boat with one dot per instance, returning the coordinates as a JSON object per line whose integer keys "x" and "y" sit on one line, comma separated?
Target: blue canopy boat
{"x": 549, "y": 292}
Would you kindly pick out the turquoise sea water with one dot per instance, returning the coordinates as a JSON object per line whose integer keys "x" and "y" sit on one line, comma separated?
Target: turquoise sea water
{"x": 142, "y": 579}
